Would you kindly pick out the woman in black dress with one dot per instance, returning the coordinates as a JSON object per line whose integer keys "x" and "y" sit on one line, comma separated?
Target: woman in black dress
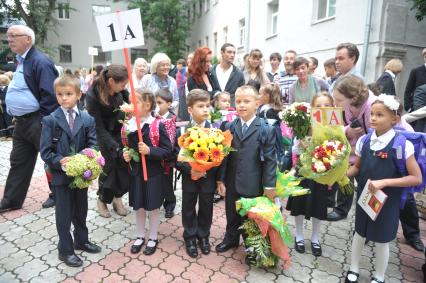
{"x": 102, "y": 101}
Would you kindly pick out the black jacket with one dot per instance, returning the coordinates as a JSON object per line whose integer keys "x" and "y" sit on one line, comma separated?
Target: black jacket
{"x": 192, "y": 84}
{"x": 387, "y": 84}
{"x": 236, "y": 79}
{"x": 243, "y": 169}
{"x": 417, "y": 78}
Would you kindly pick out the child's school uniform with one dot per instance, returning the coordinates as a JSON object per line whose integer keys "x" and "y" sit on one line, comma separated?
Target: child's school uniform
{"x": 196, "y": 224}
{"x": 71, "y": 204}
{"x": 375, "y": 166}
{"x": 148, "y": 195}
{"x": 169, "y": 194}
{"x": 243, "y": 171}
{"x": 266, "y": 112}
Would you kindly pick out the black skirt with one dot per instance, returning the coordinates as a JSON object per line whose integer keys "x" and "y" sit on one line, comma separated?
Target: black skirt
{"x": 311, "y": 205}
{"x": 147, "y": 195}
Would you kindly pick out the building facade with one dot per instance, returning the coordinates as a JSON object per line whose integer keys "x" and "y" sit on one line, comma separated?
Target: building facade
{"x": 76, "y": 32}
{"x": 382, "y": 29}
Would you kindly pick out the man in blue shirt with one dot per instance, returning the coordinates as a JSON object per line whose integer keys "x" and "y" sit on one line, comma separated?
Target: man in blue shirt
{"x": 29, "y": 97}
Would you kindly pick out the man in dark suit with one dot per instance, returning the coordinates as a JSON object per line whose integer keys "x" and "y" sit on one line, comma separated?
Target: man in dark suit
{"x": 249, "y": 171}
{"x": 225, "y": 74}
{"x": 417, "y": 78}
{"x": 387, "y": 80}
{"x": 29, "y": 97}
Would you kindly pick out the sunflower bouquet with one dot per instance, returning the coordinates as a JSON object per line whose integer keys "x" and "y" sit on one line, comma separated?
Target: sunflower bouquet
{"x": 84, "y": 167}
{"x": 204, "y": 148}
{"x": 326, "y": 159}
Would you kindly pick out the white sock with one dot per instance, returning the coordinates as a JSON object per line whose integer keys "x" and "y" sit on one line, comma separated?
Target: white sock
{"x": 154, "y": 222}
{"x": 316, "y": 225}
{"x": 140, "y": 216}
{"x": 358, "y": 243}
{"x": 299, "y": 227}
{"x": 382, "y": 258}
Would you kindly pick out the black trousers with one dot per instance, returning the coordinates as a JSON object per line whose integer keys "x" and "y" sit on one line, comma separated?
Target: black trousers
{"x": 5, "y": 123}
{"x": 196, "y": 224}
{"x": 409, "y": 217}
{"x": 344, "y": 201}
{"x": 233, "y": 219}
{"x": 169, "y": 193}
{"x": 71, "y": 207}
{"x": 23, "y": 157}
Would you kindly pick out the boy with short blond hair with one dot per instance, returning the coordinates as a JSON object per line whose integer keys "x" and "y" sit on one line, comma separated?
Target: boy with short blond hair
{"x": 68, "y": 130}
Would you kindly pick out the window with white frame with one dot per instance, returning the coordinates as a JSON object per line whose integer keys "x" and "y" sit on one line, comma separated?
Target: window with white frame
{"x": 207, "y": 6}
{"x": 194, "y": 12}
{"x": 242, "y": 31}
{"x": 200, "y": 7}
{"x": 225, "y": 34}
{"x": 326, "y": 9}
{"x": 64, "y": 11}
{"x": 65, "y": 54}
{"x": 272, "y": 17}
{"x": 100, "y": 10}
{"x": 215, "y": 43}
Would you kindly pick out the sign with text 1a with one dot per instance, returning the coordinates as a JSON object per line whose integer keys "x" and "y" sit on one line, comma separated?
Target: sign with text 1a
{"x": 327, "y": 116}
{"x": 120, "y": 30}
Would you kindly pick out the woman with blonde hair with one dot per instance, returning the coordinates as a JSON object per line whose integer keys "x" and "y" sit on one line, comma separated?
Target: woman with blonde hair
{"x": 387, "y": 80}
{"x": 253, "y": 69}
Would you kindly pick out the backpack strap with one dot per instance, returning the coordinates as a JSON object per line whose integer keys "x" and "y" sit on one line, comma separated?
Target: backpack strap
{"x": 263, "y": 136}
{"x": 399, "y": 147}
{"x": 154, "y": 132}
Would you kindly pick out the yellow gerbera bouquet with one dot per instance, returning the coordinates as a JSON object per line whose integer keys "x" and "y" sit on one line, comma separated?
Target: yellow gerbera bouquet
{"x": 204, "y": 148}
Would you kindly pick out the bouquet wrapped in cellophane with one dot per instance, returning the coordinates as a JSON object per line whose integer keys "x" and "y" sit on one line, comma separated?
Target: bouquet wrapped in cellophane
{"x": 288, "y": 185}
{"x": 326, "y": 159}
{"x": 297, "y": 117}
{"x": 84, "y": 167}
{"x": 204, "y": 148}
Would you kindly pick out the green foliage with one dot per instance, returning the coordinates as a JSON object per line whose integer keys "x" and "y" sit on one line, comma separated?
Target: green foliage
{"x": 165, "y": 21}
{"x": 259, "y": 248}
{"x": 420, "y": 6}
{"x": 38, "y": 15}
{"x": 215, "y": 115}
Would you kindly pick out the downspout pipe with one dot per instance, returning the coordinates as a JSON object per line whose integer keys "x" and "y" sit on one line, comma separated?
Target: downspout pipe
{"x": 366, "y": 36}
{"x": 248, "y": 26}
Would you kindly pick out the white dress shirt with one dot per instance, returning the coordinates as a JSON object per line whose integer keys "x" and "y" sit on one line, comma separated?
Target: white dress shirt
{"x": 67, "y": 115}
{"x": 223, "y": 76}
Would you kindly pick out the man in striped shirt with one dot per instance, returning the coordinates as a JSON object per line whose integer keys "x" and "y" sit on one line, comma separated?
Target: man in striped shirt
{"x": 287, "y": 78}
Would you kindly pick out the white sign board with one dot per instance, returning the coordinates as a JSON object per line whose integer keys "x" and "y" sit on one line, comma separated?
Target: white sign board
{"x": 93, "y": 51}
{"x": 120, "y": 30}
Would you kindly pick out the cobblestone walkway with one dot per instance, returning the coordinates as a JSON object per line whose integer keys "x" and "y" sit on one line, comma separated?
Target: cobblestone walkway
{"x": 28, "y": 249}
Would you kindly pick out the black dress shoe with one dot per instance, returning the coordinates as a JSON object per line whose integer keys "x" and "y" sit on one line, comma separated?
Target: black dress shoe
{"x": 226, "y": 245}
{"x": 299, "y": 246}
{"x": 169, "y": 213}
{"x": 316, "y": 249}
{"x": 150, "y": 250}
{"x": 204, "y": 245}
{"x": 250, "y": 260}
{"x": 7, "y": 207}
{"x": 417, "y": 244}
{"x": 48, "y": 203}
{"x": 217, "y": 198}
{"x": 137, "y": 248}
{"x": 334, "y": 216}
{"x": 375, "y": 280}
{"x": 191, "y": 248}
{"x": 356, "y": 275}
{"x": 88, "y": 247}
{"x": 71, "y": 260}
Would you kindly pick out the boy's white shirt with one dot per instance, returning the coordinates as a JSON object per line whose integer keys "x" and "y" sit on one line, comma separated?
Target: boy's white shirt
{"x": 131, "y": 124}
{"x": 379, "y": 143}
{"x": 165, "y": 115}
{"x": 65, "y": 110}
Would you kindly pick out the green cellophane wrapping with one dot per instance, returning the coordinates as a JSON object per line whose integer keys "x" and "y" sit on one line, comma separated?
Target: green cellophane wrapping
{"x": 336, "y": 174}
{"x": 272, "y": 228}
{"x": 288, "y": 185}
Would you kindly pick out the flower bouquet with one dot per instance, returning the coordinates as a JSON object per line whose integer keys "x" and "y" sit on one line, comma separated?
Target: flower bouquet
{"x": 326, "y": 158}
{"x": 297, "y": 116}
{"x": 218, "y": 116}
{"x": 204, "y": 148}
{"x": 84, "y": 167}
{"x": 268, "y": 235}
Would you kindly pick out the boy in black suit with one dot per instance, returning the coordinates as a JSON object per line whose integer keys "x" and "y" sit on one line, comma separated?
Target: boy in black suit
{"x": 250, "y": 170}
{"x": 164, "y": 99}
{"x": 197, "y": 225}
{"x": 68, "y": 130}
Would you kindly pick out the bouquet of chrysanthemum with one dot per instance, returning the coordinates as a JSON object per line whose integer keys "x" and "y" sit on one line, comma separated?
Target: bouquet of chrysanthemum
{"x": 204, "y": 148}
{"x": 297, "y": 116}
{"x": 326, "y": 159}
{"x": 268, "y": 235}
{"x": 84, "y": 167}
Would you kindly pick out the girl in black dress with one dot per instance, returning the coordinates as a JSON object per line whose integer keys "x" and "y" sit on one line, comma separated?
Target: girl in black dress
{"x": 314, "y": 205}
{"x": 146, "y": 197}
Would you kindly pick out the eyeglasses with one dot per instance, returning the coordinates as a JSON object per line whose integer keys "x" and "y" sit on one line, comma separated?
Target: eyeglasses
{"x": 13, "y": 36}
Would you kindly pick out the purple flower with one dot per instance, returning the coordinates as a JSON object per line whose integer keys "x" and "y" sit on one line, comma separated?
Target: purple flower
{"x": 89, "y": 152}
{"x": 101, "y": 161}
{"x": 87, "y": 174}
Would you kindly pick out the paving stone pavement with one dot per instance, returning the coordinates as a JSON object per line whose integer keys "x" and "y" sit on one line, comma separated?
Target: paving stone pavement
{"x": 28, "y": 249}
